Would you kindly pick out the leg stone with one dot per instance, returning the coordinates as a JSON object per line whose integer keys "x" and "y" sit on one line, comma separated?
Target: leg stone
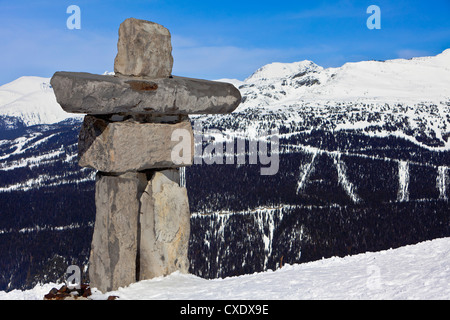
{"x": 112, "y": 261}
{"x": 164, "y": 226}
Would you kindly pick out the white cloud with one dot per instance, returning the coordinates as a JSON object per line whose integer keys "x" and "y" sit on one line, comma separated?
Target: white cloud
{"x": 412, "y": 53}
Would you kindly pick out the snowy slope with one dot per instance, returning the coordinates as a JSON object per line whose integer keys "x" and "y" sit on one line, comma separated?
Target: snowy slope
{"x": 424, "y": 79}
{"x": 410, "y": 97}
{"x": 418, "y": 271}
{"x": 413, "y": 81}
{"x": 32, "y": 100}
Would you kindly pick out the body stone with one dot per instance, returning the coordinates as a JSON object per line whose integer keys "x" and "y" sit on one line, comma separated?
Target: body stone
{"x": 131, "y": 146}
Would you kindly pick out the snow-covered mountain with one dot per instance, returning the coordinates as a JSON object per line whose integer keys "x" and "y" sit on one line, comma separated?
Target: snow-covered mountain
{"x": 408, "y": 98}
{"x": 32, "y": 101}
{"x": 423, "y": 80}
{"x": 418, "y": 85}
{"x": 364, "y": 166}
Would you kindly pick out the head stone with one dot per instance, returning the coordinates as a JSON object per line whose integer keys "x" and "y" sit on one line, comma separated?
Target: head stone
{"x": 144, "y": 49}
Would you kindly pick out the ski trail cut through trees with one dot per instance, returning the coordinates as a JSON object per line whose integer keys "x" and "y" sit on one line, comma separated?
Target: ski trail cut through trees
{"x": 403, "y": 181}
{"x": 442, "y": 181}
{"x": 305, "y": 172}
{"x": 343, "y": 180}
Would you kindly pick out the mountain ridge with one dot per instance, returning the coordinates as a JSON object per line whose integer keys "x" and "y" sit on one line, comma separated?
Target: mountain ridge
{"x": 31, "y": 100}
{"x": 412, "y": 81}
{"x": 275, "y": 85}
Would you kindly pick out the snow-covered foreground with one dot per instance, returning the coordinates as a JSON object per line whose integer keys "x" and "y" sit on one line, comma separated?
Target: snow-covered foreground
{"x": 420, "y": 271}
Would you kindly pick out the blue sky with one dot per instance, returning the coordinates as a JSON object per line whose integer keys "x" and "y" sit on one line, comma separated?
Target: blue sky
{"x": 218, "y": 39}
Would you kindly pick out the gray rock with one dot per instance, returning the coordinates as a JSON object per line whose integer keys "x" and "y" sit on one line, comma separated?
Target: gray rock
{"x": 164, "y": 228}
{"x": 79, "y": 92}
{"x": 133, "y": 146}
{"x": 144, "y": 49}
{"x": 112, "y": 262}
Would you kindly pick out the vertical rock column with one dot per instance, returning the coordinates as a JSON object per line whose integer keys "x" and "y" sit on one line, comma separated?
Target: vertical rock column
{"x": 114, "y": 245}
{"x": 164, "y": 227}
{"x": 142, "y": 213}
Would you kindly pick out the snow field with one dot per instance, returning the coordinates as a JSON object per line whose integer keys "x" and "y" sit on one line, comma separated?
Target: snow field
{"x": 419, "y": 272}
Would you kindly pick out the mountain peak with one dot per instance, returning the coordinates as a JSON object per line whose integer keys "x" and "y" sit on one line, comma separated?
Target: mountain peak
{"x": 446, "y": 52}
{"x": 277, "y": 70}
{"x": 31, "y": 99}
{"x": 415, "y": 81}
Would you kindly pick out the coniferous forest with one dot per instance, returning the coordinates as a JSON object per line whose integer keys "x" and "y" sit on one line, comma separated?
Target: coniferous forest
{"x": 335, "y": 194}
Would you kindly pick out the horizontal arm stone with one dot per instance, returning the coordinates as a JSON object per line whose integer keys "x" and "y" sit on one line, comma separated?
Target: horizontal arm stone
{"x": 79, "y": 92}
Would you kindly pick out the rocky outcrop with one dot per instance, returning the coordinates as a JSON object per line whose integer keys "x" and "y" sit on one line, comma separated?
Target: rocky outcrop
{"x": 66, "y": 293}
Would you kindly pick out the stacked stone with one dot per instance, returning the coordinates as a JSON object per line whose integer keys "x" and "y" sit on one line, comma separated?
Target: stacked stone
{"x": 142, "y": 222}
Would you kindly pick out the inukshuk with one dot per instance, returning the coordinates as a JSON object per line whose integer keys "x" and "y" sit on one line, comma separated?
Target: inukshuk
{"x": 142, "y": 224}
